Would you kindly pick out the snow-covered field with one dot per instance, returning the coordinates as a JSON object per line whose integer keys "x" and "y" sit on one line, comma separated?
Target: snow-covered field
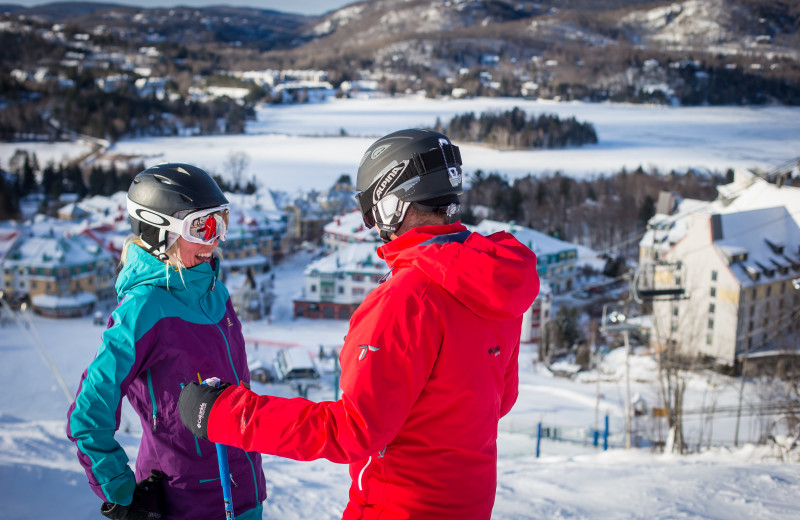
{"x": 41, "y": 477}
{"x": 39, "y": 474}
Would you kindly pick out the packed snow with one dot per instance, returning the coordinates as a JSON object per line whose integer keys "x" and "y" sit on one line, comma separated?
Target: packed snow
{"x": 572, "y": 479}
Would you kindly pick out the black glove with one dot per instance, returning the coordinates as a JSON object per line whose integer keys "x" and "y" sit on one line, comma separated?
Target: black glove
{"x": 148, "y": 501}
{"x": 195, "y": 406}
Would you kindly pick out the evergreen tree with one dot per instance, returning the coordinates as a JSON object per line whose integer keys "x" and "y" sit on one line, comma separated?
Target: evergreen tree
{"x": 9, "y": 200}
{"x": 28, "y": 176}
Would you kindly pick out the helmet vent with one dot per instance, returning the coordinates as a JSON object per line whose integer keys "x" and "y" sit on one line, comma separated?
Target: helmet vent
{"x": 184, "y": 197}
{"x": 164, "y": 180}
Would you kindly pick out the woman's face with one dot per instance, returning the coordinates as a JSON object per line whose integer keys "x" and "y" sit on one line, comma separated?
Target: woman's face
{"x": 192, "y": 254}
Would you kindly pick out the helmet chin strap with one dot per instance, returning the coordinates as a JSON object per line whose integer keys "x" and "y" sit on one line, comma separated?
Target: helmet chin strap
{"x": 386, "y": 229}
{"x": 386, "y": 236}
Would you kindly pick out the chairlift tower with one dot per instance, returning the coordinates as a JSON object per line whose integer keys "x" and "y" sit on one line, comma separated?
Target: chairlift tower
{"x": 615, "y": 319}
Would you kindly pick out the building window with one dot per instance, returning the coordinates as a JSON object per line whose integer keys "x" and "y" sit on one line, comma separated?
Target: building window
{"x": 711, "y": 308}
{"x": 709, "y": 339}
{"x": 713, "y": 292}
{"x": 710, "y": 324}
{"x": 769, "y": 291}
{"x": 675, "y": 311}
{"x": 358, "y": 277}
{"x": 313, "y": 288}
{"x": 713, "y": 276}
{"x": 341, "y": 289}
{"x": 358, "y": 291}
{"x": 750, "y": 326}
{"x": 752, "y": 310}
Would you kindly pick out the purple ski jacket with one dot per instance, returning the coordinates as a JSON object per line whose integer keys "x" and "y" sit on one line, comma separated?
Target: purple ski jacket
{"x": 169, "y": 327}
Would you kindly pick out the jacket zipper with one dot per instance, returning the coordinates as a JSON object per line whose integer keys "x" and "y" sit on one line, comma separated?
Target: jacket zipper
{"x": 152, "y": 398}
{"x": 230, "y": 356}
{"x": 236, "y": 381}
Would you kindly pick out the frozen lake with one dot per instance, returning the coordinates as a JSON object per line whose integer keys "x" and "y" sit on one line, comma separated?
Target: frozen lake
{"x": 299, "y": 147}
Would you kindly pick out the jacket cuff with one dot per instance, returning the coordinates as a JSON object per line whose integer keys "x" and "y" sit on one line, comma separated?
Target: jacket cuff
{"x": 120, "y": 489}
{"x": 224, "y": 427}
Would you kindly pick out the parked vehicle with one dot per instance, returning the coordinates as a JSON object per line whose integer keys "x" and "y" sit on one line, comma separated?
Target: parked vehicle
{"x": 293, "y": 364}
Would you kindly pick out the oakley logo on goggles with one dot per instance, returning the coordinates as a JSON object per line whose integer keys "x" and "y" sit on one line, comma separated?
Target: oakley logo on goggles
{"x": 201, "y": 227}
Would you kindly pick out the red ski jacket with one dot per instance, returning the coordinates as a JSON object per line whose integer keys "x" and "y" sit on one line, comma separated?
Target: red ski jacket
{"x": 429, "y": 366}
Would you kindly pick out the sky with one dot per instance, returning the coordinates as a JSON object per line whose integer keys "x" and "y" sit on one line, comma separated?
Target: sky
{"x": 41, "y": 359}
{"x": 308, "y": 7}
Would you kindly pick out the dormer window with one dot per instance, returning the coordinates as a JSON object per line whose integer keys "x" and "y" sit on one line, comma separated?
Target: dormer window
{"x": 776, "y": 247}
{"x": 768, "y": 271}
{"x": 752, "y": 272}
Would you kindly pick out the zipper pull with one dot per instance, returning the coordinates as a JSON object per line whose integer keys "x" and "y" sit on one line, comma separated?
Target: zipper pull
{"x": 154, "y": 421}
{"x": 233, "y": 481}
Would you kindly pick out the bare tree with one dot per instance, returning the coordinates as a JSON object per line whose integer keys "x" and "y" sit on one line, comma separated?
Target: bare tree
{"x": 235, "y": 165}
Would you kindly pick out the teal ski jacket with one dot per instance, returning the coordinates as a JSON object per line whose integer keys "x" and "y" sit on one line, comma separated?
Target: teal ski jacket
{"x": 169, "y": 328}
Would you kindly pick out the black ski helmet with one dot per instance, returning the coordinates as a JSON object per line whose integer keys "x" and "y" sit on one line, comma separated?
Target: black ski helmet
{"x": 413, "y": 166}
{"x": 168, "y": 189}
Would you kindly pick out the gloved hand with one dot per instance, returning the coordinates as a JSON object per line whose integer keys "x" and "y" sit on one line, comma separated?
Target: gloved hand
{"x": 195, "y": 405}
{"x": 148, "y": 501}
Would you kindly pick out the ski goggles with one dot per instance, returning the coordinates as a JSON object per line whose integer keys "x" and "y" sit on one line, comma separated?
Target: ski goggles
{"x": 201, "y": 227}
{"x": 205, "y": 226}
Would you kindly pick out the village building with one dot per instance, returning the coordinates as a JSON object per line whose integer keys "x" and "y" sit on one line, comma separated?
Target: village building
{"x": 737, "y": 262}
{"x": 347, "y": 229}
{"x": 740, "y": 298}
{"x": 61, "y": 276}
{"x": 336, "y": 284}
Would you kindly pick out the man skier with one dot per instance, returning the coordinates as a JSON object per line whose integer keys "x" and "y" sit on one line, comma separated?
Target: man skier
{"x": 429, "y": 364}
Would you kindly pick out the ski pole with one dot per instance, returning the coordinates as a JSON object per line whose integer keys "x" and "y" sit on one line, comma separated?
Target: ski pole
{"x": 224, "y": 470}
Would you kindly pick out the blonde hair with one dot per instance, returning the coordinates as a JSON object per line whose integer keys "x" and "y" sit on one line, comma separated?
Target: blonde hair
{"x": 173, "y": 255}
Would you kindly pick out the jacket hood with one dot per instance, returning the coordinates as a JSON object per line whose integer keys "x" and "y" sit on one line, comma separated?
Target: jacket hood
{"x": 142, "y": 269}
{"x": 495, "y": 276}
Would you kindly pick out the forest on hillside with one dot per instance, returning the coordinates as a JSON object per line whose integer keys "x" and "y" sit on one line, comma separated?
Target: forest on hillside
{"x": 605, "y": 213}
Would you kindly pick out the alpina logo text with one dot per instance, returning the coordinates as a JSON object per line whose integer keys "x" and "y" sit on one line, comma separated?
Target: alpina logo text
{"x": 387, "y": 180}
